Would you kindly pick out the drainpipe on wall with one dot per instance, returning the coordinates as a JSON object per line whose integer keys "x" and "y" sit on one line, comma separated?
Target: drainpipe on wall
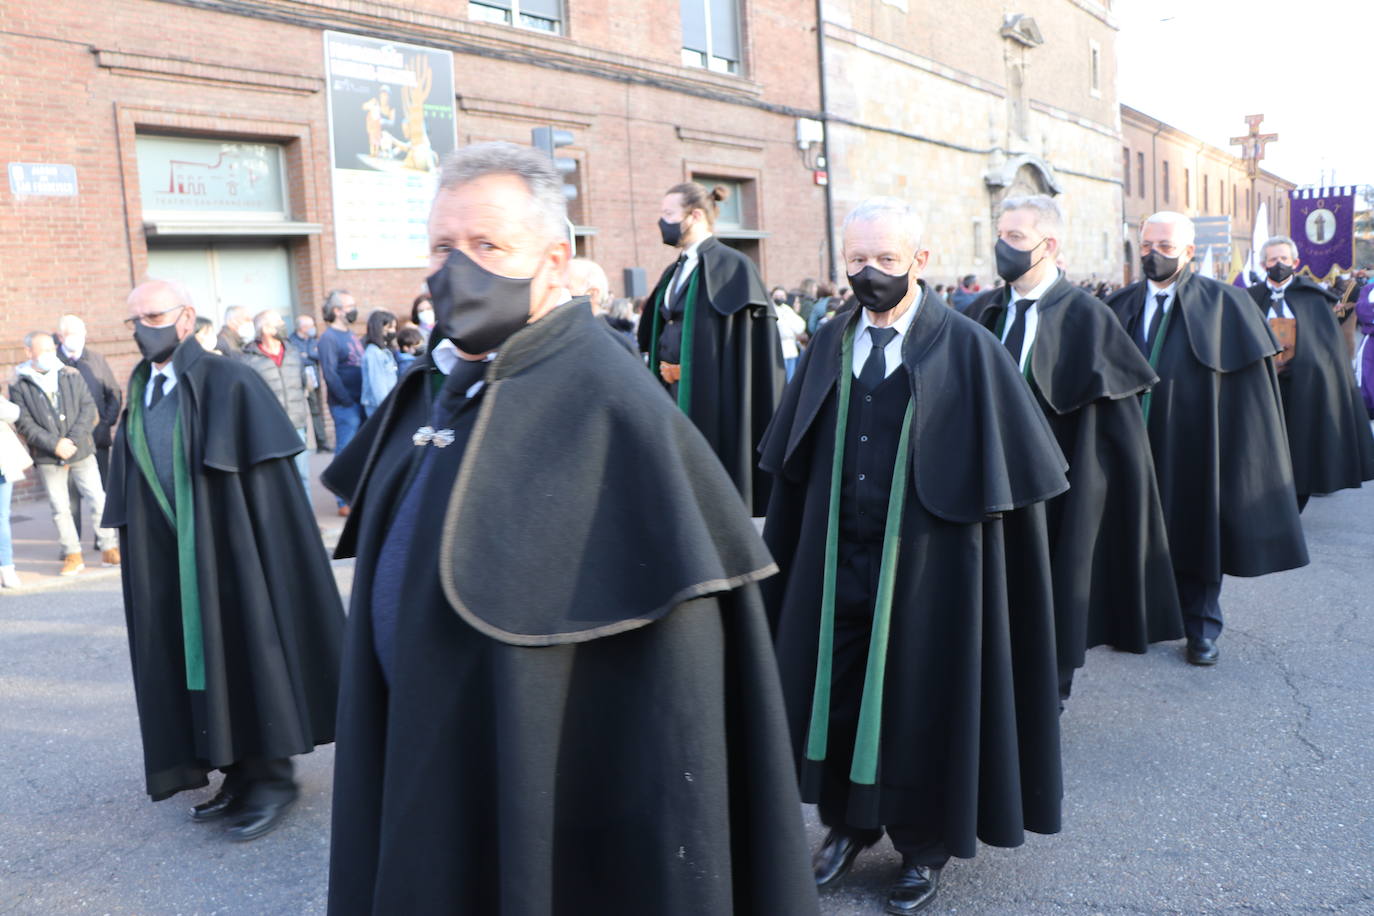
{"x": 825, "y": 145}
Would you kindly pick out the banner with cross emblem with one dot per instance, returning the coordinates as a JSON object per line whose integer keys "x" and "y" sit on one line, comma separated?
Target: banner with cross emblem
{"x": 1322, "y": 223}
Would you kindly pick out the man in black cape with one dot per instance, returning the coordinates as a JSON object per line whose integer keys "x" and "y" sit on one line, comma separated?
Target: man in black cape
{"x": 711, "y": 335}
{"x": 1216, "y": 428}
{"x": 1113, "y": 584}
{"x": 559, "y": 696}
{"x": 1328, "y": 429}
{"x": 910, "y": 468}
{"x": 234, "y": 619}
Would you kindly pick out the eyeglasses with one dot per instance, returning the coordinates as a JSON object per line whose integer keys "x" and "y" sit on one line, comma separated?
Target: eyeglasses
{"x": 133, "y": 323}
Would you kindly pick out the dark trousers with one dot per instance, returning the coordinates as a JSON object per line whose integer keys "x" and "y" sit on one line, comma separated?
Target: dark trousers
{"x": 262, "y": 780}
{"x": 856, "y": 583}
{"x": 1302, "y": 501}
{"x": 102, "y": 461}
{"x": 1201, "y": 604}
{"x": 312, "y": 397}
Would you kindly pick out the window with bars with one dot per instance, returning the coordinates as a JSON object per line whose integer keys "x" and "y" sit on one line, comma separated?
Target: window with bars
{"x": 1140, "y": 172}
{"x": 1164, "y": 180}
{"x": 711, "y": 35}
{"x": 536, "y": 15}
{"x": 1126, "y": 168}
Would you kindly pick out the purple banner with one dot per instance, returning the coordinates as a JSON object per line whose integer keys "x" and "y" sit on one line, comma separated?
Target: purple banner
{"x": 1322, "y": 222}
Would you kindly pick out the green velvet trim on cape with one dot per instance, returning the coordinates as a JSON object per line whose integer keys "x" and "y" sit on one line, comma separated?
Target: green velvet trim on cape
{"x": 689, "y": 311}
{"x": 182, "y": 520}
{"x": 864, "y": 768}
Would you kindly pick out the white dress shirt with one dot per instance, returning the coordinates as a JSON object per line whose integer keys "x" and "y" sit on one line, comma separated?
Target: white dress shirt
{"x": 1277, "y": 307}
{"x": 168, "y": 372}
{"x": 688, "y": 266}
{"x": 445, "y": 356}
{"x": 892, "y": 353}
{"x": 1032, "y": 315}
{"x": 1151, "y": 303}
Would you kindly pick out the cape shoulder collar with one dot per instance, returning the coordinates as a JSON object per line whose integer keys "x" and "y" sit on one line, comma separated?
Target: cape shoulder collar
{"x": 1225, "y": 332}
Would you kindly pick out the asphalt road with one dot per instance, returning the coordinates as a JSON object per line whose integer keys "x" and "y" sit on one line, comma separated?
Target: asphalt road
{"x": 1247, "y": 788}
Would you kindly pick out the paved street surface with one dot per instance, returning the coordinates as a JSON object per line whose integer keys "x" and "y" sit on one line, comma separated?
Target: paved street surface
{"x": 1245, "y": 788}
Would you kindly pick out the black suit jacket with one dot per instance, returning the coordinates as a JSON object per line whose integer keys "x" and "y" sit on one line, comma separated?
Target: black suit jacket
{"x": 105, "y": 391}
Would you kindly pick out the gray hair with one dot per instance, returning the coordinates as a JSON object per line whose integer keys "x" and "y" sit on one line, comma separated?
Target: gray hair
{"x": 1280, "y": 240}
{"x": 622, "y": 309}
{"x": 878, "y": 208}
{"x": 233, "y": 313}
{"x": 548, "y": 207}
{"x": 1186, "y": 231}
{"x": 261, "y": 318}
{"x": 585, "y": 275}
{"x": 69, "y": 322}
{"x": 1048, "y": 215}
{"x": 32, "y": 335}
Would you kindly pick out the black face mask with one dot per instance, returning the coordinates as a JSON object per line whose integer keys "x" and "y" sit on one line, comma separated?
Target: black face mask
{"x": 156, "y": 344}
{"x": 1012, "y": 262}
{"x": 877, "y": 291}
{"x": 671, "y": 232}
{"x": 475, "y": 308}
{"x": 1157, "y": 267}
{"x": 351, "y": 315}
{"x": 1280, "y": 272}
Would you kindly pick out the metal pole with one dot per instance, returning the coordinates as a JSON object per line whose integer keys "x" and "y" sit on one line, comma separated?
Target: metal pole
{"x": 825, "y": 145}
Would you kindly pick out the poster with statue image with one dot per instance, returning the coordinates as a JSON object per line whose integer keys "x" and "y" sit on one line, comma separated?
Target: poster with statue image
{"x": 1322, "y": 223}
{"x": 391, "y": 122}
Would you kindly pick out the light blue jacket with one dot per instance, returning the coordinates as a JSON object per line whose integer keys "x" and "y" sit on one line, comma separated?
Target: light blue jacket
{"x": 379, "y": 376}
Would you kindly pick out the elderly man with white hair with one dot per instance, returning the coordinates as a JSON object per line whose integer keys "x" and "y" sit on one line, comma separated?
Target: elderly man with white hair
{"x": 559, "y": 694}
{"x": 914, "y": 613}
{"x": 1112, "y": 580}
{"x": 586, "y": 278}
{"x": 105, "y": 391}
{"x": 1216, "y": 427}
{"x": 1324, "y": 414}
{"x": 234, "y": 621}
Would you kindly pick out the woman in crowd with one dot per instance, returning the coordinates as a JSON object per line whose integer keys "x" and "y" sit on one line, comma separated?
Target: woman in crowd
{"x": 379, "y": 359}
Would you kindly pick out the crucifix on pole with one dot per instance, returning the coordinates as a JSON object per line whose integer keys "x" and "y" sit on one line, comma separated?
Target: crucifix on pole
{"x": 1252, "y": 144}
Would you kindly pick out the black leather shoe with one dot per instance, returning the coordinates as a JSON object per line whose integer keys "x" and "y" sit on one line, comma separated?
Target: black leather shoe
{"x": 1202, "y": 652}
{"x": 224, "y": 802}
{"x": 253, "y": 821}
{"x": 913, "y": 890}
{"x": 833, "y": 859}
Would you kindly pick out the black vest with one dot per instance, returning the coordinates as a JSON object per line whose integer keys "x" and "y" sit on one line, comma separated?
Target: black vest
{"x": 870, "y": 449}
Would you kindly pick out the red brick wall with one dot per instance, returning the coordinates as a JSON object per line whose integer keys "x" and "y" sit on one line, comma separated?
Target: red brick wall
{"x": 76, "y": 85}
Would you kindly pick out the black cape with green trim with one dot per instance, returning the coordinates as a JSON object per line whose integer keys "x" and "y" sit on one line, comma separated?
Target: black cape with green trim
{"x": 1113, "y": 584}
{"x": 584, "y": 713}
{"x": 969, "y": 744}
{"x": 737, "y": 367}
{"x": 271, "y": 617}
{"x": 1328, "y": 428}
{"x": 1217, "y": 434}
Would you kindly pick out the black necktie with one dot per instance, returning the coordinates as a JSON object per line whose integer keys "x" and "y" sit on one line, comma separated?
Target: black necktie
{"x": 1016, "y": 339}
{"x": 1155, "y": 319}
{"x": 1276, "y": 303}
{"x": 875, "y": 367}
{"x": 158, "y": 381}
{"x": 672, "y": 284}
{"x": 454, "y": 393}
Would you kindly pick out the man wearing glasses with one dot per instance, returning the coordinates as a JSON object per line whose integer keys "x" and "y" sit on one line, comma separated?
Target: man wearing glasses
{"x": 1216, "y": 428}
{"x": 234, "y": 620}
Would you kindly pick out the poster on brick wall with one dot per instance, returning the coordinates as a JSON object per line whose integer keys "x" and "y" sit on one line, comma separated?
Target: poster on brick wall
{"x": 391, "y": 121}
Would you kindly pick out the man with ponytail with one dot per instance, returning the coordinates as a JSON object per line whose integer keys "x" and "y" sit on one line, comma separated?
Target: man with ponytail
{"x": 711, "y": 336}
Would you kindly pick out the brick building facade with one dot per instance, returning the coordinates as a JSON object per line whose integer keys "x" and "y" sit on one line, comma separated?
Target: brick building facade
{"x": 654, "y": 92}
{"x": 1166, "y": 169}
